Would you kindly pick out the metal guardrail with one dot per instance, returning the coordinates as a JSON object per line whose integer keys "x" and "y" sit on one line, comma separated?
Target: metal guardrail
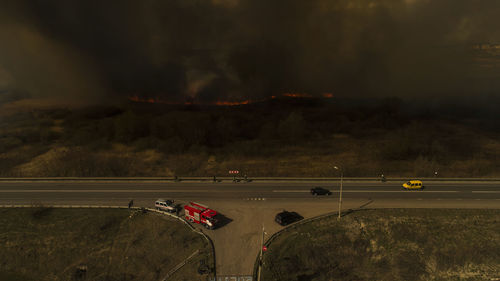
{"x": 192, "y": 229}
{"x": 69, "y": 206}
{"x": 289, "y": 227}
{"x": 181, "y": 179}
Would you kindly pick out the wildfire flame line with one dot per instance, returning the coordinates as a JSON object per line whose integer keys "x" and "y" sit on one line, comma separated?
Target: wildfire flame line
{"x": 297, "y": 95}
{"x": 136, "y": 98}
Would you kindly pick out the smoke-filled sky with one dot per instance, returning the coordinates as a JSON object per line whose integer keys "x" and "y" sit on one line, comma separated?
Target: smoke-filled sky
{"x": 240, "y": 49}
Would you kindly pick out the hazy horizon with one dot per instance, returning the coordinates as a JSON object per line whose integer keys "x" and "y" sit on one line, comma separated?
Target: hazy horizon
{"x": 236, "y": 50}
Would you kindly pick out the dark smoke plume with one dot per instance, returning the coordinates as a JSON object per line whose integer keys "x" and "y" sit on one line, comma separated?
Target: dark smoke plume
{"x": 248, "y": 49}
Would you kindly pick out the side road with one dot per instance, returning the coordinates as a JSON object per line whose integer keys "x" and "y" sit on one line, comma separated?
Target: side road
{"x": 238, "y": 243}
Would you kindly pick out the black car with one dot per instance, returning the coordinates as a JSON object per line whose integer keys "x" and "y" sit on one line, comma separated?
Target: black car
{"x": 320, "y": 191}
{"x": 286, "y": 218}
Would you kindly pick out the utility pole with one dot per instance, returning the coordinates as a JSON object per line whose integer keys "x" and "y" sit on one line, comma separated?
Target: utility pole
{"x": 341, "y": 181}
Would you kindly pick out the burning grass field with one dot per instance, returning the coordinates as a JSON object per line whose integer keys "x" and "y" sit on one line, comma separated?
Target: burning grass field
{"x": 82, "y": 244}
{"x": 391, "y": 244}
{"x": 278, "y": 137}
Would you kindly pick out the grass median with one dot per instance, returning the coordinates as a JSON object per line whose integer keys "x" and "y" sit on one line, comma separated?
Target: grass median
{"x": 96, "y": 244}
{"x": 390, "y": 244}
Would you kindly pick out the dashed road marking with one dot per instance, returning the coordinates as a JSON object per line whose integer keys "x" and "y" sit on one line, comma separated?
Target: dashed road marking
{"x": 255, "y": 199}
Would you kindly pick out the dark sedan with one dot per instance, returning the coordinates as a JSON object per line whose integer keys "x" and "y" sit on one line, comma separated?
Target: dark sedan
{"x": 285, "y": 218}
{"x": 320, "y": 191}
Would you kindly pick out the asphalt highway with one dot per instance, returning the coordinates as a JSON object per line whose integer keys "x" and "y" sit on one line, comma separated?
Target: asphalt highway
{"x": 248, "y": 207}
{"x": 116, "y": 192}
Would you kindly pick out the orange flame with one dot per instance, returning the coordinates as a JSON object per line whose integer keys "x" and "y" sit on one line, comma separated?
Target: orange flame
{"x": 297, "y": 95}
{"x": 155, "y": 100}
{"x": 136, "y": 98}
{"x": 231, "y": 103}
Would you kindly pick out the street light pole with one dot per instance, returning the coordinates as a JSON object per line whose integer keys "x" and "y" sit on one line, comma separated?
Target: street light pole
{"x": 340, "y": 197}
{"x": 341, "y": 182}
{"x": 261, "y": 249}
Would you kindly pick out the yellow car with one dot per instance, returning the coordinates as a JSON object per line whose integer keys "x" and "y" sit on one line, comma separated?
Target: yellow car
{"x": 413, "y": 184}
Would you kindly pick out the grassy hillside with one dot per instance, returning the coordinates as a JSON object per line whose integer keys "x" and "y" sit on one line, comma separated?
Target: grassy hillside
{"x": 57, "y": 244}
{"x": 402, "y": 244}
{"x": 274, "y": 138}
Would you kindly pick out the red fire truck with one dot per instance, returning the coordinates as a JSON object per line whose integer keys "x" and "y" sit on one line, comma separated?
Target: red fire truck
{"x": 198, "y": 213}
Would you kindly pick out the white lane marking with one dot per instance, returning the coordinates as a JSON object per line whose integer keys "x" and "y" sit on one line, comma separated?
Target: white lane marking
{"x": 403, "y": 191}
{"x": 205, "y": 190}
{"x": 486, "y": 191}
{"x": 298, "y": 191}
{"x": 374, "y": 191}
{"x": 110, "y": 190}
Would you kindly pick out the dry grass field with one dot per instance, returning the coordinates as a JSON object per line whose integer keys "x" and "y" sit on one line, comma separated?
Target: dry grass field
{"x": 279, "y": 138}
{"x": 41, "y": 244}
{"x": 392, "y": 244}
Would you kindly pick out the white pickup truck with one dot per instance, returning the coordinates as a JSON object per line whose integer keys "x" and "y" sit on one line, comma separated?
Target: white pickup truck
{"x": 165, "y": 205}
